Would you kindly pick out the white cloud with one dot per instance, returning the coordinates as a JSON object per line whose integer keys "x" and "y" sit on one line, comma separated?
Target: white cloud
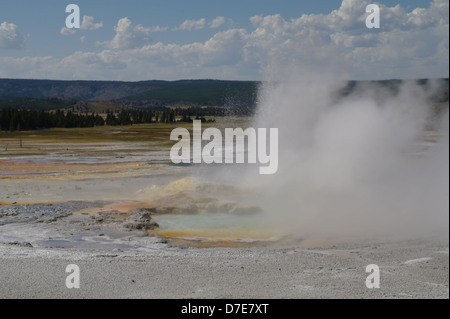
{"x": 29, "y": 67}
{"x": 410, "y": 44}
{"x": 66, "y": 31}
{"x": 127, "y": 36}
{"x": 406, "y": 43}
{"x": 217, "y": 22}
{"x": 158, "y": 29}
{"x": 88, "y": 24}
{"x": 190, "y": 25}
{"x": 10, "y": 37}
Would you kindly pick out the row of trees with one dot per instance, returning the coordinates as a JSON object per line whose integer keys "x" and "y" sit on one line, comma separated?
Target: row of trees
{"x": 168, "y": 116}
{"x": 25, "y": 120}
{"x": 215, "y": 111}
{"x": 130, "y": 117}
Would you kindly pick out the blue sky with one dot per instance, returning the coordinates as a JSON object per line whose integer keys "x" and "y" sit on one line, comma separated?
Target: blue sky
{"x": 175, "y": 39}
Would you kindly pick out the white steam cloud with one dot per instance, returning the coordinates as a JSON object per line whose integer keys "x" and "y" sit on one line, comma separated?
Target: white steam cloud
{"x": 355, "y": 166}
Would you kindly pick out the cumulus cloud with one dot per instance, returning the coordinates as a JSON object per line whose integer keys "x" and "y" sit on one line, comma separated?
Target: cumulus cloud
{"x": 67, "y": 31}
{"x": 127, "y": 36}
{"x": 158, "y": 29}
{"x": 409, "y": 44}
{"x": 29, "y": 67}
{"x": 89, "y": 24}
{"x": 10, "y": 37}
{"x": 190, "y": 25}
{"x": 217, "y": 22}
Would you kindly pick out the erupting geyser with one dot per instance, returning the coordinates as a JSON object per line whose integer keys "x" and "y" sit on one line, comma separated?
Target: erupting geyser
{"x": 365, "y": 164}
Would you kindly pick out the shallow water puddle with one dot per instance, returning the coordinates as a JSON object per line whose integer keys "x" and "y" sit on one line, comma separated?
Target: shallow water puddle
{"x": 218, "y": 229}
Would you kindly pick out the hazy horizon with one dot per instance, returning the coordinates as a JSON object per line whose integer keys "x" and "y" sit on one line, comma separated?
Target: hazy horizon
{"x": 221, "y": 80}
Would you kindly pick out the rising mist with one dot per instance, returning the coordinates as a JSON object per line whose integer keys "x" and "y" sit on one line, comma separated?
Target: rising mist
{"x": 364, "y": 165}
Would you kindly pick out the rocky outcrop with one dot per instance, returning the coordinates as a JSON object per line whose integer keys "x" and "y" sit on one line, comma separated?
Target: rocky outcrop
{"x": 140, "y": 221}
